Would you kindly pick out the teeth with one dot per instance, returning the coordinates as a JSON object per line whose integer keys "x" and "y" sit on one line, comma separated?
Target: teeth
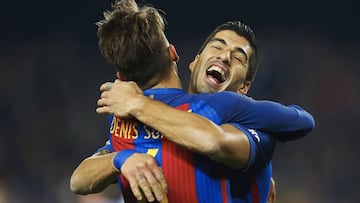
{"x": 217, "y": 69}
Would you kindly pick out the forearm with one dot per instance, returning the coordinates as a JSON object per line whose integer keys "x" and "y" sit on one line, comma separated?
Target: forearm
{"x": 184, "y": 128}
{"x": 94, "y": 174}
{"x": 224, "y": 144}
{"x": 187, "y": 129}
{"x": 234, "y": 148}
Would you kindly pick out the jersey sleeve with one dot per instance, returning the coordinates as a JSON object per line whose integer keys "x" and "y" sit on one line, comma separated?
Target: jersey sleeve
{"x": 281, "y": 121}
{"x": 262, "y": 148}
{"x": 106, "y": 147}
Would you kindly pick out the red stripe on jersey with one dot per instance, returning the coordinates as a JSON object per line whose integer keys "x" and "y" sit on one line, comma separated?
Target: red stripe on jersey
{"x": 184, "y": 107}
{"x": 177, "y": 163}
{"x": 122, "y": 134}
{"x": 224, "y": 191}
{"x": 254, "y": 190}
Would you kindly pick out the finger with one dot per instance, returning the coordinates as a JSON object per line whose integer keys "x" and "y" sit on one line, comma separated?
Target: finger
{"x": 155, "y": 186}
{"x": 138, "y": 90}
{"x": 103, "y": 109}
{"x": 106, "y": 86}
{"x": 144, "y": 185}
{"x": 159, "y": 174}
{"x": 135, "y": 188}
{"x": 104, "y": 102}
{"x": 104, "y": 94}
{"x": 164, "y": 200}
{"x": 101, "y": 102}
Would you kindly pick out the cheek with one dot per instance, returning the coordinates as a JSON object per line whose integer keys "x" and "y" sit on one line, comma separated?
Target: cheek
{"x": 240, "y": 74}
{"x": 196, "y": 68}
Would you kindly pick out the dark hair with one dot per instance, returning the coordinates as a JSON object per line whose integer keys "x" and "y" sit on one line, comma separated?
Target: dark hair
{"x": 133, "y": 39}
{"x": 242, "y": 30}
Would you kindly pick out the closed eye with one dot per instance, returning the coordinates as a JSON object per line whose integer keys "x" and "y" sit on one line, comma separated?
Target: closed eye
{"x": 239, "y": 57}
{"x": 216, "y": 47}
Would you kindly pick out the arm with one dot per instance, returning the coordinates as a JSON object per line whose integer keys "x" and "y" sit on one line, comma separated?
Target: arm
{"x": 125, "y": 99}
{"x": 224, "y": 144}
{"x": 283, "y": 122}
{"x": 95, "y": 173}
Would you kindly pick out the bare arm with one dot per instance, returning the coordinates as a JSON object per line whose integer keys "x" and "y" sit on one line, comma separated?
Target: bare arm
{"x": 224, "y": 144}
{"x": 95, "y": 173}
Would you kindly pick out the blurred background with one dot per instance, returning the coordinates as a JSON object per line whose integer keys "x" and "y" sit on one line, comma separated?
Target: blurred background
{"x": 51, "y": 70}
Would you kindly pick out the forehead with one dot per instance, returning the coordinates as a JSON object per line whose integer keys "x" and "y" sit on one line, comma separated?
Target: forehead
{"x": 233, "y": 40}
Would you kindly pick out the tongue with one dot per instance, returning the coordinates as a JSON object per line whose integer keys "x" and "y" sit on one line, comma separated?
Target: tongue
{"x": 214, "y": 80}
{"x": 216, "y": 76}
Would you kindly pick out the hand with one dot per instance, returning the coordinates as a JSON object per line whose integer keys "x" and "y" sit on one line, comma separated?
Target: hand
{"x": 272, "y": 193}
{"x": 118, "y": 98}
{"x": 143, "y": 174}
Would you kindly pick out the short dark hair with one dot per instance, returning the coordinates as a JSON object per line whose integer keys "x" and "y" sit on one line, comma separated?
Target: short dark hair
{"x": 133, "y": 39}
{"x": 242, "y": 30}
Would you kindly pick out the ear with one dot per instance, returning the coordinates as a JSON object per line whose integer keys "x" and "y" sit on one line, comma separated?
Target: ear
{"x": 192, "y": 64}
{"x": 244, "y": 87}
{"x": 119, "y": 76}
{"x": 173, "y": 54}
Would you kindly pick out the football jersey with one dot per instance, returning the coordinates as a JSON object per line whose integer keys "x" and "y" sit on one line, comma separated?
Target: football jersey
{"x": 195, "y": 178}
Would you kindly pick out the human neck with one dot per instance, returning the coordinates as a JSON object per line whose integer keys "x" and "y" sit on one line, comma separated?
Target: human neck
{"x": 171, "y": 81}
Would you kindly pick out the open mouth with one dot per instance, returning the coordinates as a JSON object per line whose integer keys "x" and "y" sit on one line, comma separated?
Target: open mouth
{"x": 217, "y": 73}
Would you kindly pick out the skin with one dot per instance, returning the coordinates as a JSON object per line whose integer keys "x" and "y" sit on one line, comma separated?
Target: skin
{"x": 229, "y": 52}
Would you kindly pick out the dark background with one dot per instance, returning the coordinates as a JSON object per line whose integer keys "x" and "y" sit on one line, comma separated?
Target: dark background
{"x": 51, "y": 69}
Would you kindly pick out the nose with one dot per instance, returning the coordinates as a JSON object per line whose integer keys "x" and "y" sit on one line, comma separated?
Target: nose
{"x": 225, "y": 56}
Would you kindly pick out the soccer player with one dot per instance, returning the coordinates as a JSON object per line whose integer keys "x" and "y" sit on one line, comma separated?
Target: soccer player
{"x": 126, "y": 134}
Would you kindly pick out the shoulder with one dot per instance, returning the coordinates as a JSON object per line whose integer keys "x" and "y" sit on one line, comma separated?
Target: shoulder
{"x": 107, "y": 148}
{"x": 262, "y": 147}
{"x": 226, "y": 97}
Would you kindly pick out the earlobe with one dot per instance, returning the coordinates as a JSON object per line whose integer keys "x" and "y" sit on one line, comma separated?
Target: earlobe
{"x": 192, "y": 64}
{"x": 244, "y": 88}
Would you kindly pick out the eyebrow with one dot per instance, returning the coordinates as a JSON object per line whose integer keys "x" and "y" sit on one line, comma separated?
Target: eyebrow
{"x": 239, "y": 49}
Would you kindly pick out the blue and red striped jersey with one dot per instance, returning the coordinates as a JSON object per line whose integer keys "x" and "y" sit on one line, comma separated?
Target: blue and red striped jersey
{"x": 195, "y": 178}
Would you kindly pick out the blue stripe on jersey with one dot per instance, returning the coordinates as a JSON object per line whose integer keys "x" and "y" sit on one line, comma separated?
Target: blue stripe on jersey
{"x": 263, "y": 182}
{"x": 148, "y": 142}
{"x": 208, "y": 180}
{"x": 219, "y": 108}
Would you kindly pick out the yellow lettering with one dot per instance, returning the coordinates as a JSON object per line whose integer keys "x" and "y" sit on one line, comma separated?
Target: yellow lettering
{"x": 136, "y": 134}
{"x": 127, "y": 129}
{"x": 152, "y": 152}
{"x": 124, "y": 129}
{"x": 151, "y": 133}
{"x": 112, "y": 126}
{"x": 156, "y": 134}
{"x": 148, "y": 133}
